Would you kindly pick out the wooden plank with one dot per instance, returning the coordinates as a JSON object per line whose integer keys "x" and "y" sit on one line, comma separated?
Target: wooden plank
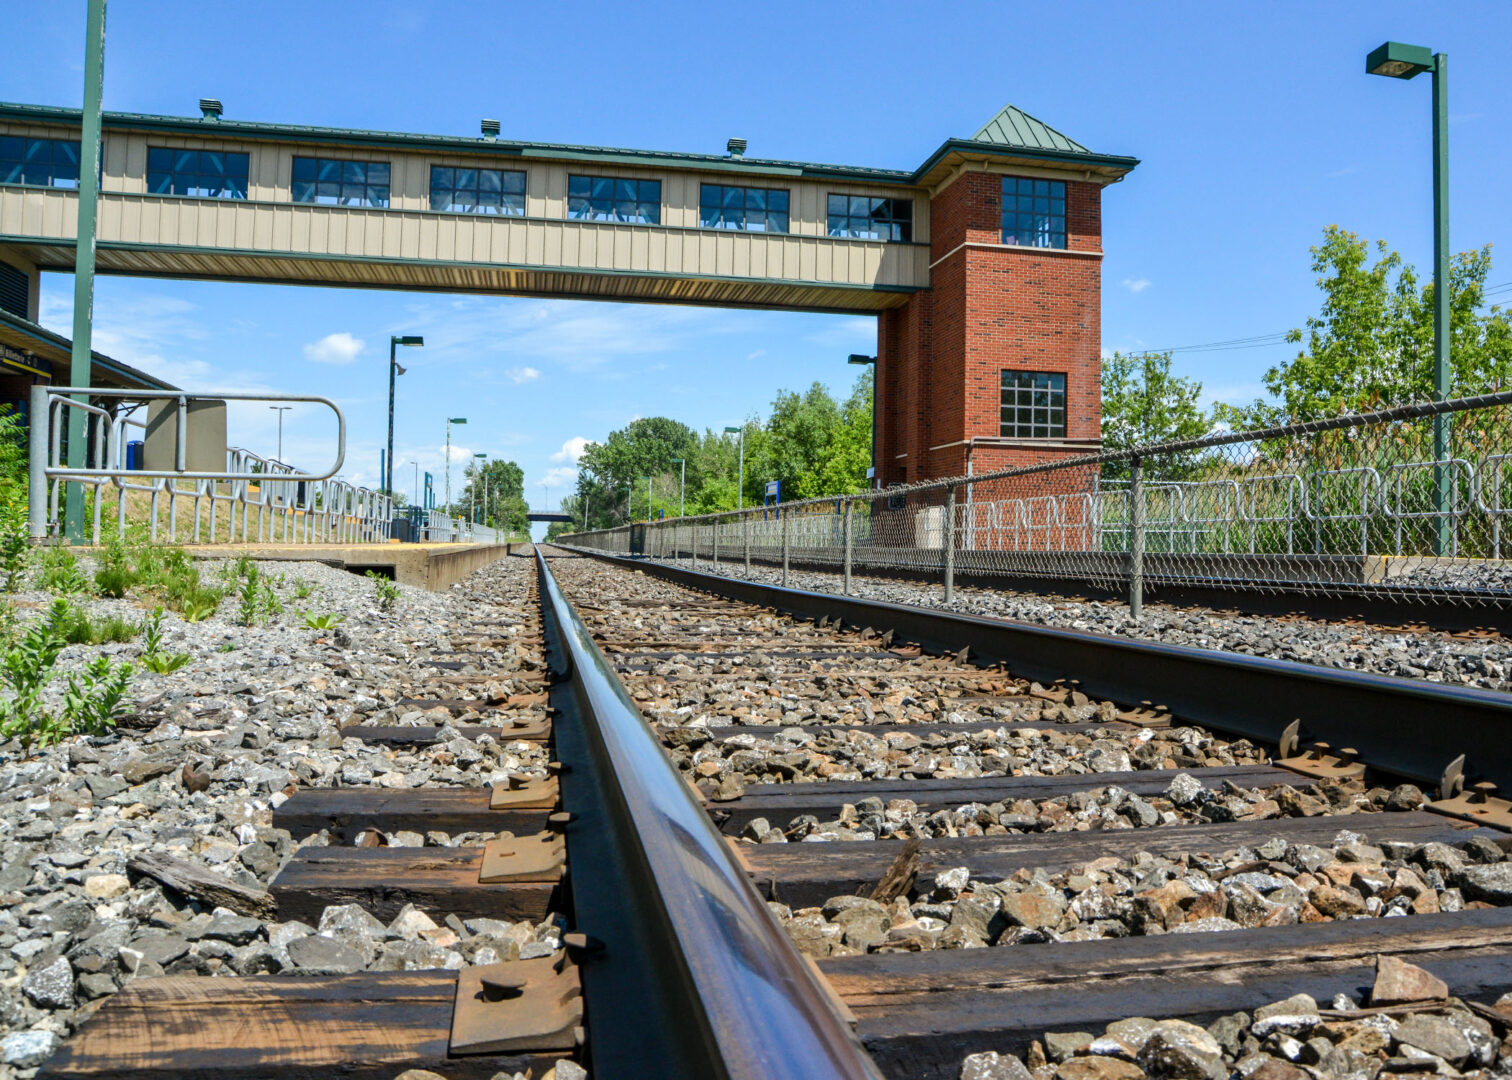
{"x": 382, "y": 880}
{"x": 920, "y": 1013}
{"x": 368, "y": 1026}
{"x": 410, "y": 735}
{"x": 806, "y": 875}
{"x": 347, "y": 811}
{"x": 780, "y": 803}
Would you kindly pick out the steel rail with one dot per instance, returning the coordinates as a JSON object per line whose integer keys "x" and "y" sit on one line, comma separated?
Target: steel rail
{"x": 1402, "y": 727}
{"x": 687, "y": 973}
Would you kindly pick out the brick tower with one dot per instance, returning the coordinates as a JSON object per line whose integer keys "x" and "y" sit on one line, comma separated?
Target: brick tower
{"x": 997, "y": 363}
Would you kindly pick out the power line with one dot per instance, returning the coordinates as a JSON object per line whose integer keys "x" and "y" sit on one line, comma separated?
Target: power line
{"x": 1261, "y": 341}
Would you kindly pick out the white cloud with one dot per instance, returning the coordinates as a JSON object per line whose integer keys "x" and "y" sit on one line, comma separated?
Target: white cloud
{"x": 561, "y": 476}
{"x": 1136, "y": 285}
{"x": 339, "y": 348}
{"x": 523, "y": 374}
{"x": 572, "y": 450}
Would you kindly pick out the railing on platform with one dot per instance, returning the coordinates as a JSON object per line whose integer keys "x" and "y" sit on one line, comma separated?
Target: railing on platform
{"x": 1350, "y": 505}
{"x": 261, "y": 499}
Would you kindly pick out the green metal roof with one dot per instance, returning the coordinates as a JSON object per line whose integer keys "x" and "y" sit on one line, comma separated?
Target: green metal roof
{"x": 1012, "y": 126}
{"x": 1011, "y": 133}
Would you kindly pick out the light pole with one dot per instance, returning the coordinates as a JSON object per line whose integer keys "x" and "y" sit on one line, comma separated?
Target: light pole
{"x": 474, "y": 487}
{"x": 394, "y": 369}
{"x": 682, "y": 490}
{"x": 280, "y": 410}
{"x": 1398, "y": 61}
{"x": 740, "y": 483}
{"x": 415, "y": 492}
{"x": 863, "y": 360}
{"x": 648, "y": 498}
{"x": 449, "y": 422}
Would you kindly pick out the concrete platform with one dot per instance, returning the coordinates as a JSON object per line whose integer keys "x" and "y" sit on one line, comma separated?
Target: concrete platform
{"x": 430, "y": 566}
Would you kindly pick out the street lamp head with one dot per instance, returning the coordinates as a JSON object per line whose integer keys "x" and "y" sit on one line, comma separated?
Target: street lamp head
{"x": 408, "y": 339}
{"x": 480, "y": 455}
{"x": 1399, "y": 61}
{"x": 677, "y": 461}
{"x": 734, "y": 430}
{"x": 457, "y": 420}
{"x": 860, "y": 358}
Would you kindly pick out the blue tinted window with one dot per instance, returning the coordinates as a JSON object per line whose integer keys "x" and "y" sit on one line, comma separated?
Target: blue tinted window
{"x": 1034, "y": 212}
{"x": 747, "y": 209}
{"x": 477, "y": 191}
{"x": 205, "y": 174}
{"x": 334, "y": 182}
{"x": 39, "y": 162}
{"x": 605, "y": 198}
{"x": 1033, "y": 405}
{"x": 865, "y": 218}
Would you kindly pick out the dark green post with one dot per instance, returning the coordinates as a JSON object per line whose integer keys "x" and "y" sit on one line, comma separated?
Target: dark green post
{"x": 79, "y": 369}
{"x": 1398, "y": 61}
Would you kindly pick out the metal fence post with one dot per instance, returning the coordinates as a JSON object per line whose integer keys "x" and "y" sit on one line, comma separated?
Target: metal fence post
{"x": 36, "y": 461}
{"x": 745, "y": 530}
{"x": 849, "y": 545}
{"x": 1136, "y": 539}
{"x": 950, "y": 515}
{"x": 714, "y": 545}
{"x": 785, "y": 522}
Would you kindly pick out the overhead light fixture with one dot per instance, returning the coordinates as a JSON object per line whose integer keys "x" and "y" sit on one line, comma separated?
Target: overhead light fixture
{"x": 1398, "y": 61}
{"x": 860, "y": 358}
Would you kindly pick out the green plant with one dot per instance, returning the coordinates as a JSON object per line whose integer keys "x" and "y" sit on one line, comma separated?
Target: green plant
{"x": 268, "y": 602}
{"x": 250, "y": 595}
{"x": 200, "y": 605}
{"x": 112, "y": 628}
{"x": 95, "y": 700}
{"x": 154, "y": 659}
{"x": 114, "y": 581}
{"x": 387, "y": 592}
{"x": 59, "y": 572}
{"x": 303, "y": 589}
{"x": 15, "y": 534}
{"x": 227, "y": 646}
{"x": 25, "y": 669}
{"x": 328, "y": 621}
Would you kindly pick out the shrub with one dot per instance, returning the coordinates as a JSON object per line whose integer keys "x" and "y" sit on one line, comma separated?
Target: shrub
{"x": 387, "y": 592}
{"x": 154, "y": 659}
{"x": 95, "y": 700}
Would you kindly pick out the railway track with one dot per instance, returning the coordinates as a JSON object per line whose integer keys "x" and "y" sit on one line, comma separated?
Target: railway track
{"x": 862, "y": 840}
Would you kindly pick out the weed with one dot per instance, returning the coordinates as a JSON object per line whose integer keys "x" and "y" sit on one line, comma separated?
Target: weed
{"x": 15, "y": 534}
{"x": 387, "y": 592}
{"x": 94, "y": 702}
{"x": 112, "y": 628}
{"x": 59, "y": 572}
{"x": 25, "y": 669}
{"x": 303, "y": 589}
{"x": 154, "y": 659}
{"x": 328, "y": 621}
{"x": 114, "y": 581}
{"x": 228, "y": 646}
{"x": 251, "y": 599}
{"x": 200, "y": 605}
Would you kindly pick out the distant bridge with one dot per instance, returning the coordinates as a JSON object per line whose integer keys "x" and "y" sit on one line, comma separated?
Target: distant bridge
{"x": 547, "y": 515}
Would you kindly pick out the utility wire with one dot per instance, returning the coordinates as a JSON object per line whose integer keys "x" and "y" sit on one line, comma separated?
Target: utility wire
{"x": 1261, "y": 341}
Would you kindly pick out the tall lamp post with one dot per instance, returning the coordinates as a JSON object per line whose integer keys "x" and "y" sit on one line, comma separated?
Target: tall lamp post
{"x": 394, "y": 369}
{"x": 1398, "y": 61}
{"x": 740, "y": 483}
{"x": 280, "y": 410}
{"x": 449, "y": 422}
{"x": 682, "y": 488}
{"x": 648, "y": 498}
{"x": 476, "y": 478}
{"x": 862, "y": 360}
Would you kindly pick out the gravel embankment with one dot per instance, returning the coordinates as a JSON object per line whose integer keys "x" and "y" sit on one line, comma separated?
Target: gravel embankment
{"x": 207, "y": 753}
{"x": 1436, "y": 657}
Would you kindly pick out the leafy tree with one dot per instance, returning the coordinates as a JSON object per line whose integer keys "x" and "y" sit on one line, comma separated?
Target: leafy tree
{"x": 1144, "y": 404}
{"x": 1371, "y": 345}
{"x": 497, "y": 488}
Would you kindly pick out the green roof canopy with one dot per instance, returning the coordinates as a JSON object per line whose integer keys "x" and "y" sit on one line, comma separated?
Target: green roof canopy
{"x": 1014, "y": 127}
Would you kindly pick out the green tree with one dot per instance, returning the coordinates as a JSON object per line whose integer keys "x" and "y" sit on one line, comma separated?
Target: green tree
{"x": 497, "y": 489}
{"x": 1144, "y": 404}
{"x": 1371, "y": 344}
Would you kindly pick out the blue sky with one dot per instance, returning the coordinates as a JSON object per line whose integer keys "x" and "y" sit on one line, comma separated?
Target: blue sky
{"x": 1255, "y": 122}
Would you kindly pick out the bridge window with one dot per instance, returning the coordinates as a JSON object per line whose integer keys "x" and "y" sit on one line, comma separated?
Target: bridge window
{"x": 208, "y": 174}
{"x": 605, "y": 198}
{"x": 863, "y": 218}
{"x": 332, "y": 182}
{"x": 1033, "y": 405}
{"x": 748, "y": 209}
{"x": 1034, "y": 212}
{"x": 477, "y": 191}
{"x": 39, "y": 162}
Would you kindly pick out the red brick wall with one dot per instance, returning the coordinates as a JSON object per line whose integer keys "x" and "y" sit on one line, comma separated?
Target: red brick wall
{"x": 989, "y": 309}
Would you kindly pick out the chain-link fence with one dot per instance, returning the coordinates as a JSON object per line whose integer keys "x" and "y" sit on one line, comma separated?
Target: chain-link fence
{"x": 1413, "y": 502}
